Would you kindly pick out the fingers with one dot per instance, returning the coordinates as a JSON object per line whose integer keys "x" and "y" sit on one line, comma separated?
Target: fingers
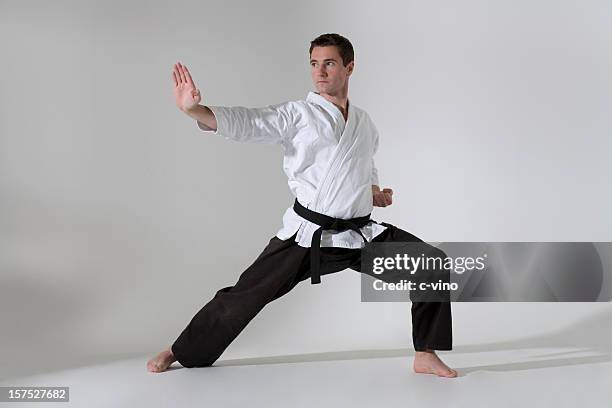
{"x": 177, "y": 75}
{"x": 195, "y": 94}
{"x": 181, "y": 75}
{"x": 379, "y": 200}
{"x": 383, "y": 198}
{"x": 188, "y": 76}
{"x": 388, "y": 198}
{"x": 388, "y": 193}
{"x": 182, "y": 72}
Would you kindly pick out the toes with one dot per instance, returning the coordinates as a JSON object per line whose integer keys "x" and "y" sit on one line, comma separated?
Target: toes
{"x": 450, "y": 373}
{"x": 153, "y": 366}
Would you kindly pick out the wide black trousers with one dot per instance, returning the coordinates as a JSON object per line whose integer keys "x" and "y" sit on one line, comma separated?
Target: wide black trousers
{"x": 278, "y": 269}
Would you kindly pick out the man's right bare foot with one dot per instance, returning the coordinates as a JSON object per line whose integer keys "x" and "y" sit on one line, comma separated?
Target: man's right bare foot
{"x": 161, "y": 361}
{"x": 428, "y": 362}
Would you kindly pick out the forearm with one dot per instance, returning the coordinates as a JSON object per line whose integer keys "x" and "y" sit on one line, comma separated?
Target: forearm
{"x": 204, "y": 115}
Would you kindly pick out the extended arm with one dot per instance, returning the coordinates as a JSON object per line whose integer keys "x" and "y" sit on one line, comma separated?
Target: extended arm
{"x": 269, "y": 124}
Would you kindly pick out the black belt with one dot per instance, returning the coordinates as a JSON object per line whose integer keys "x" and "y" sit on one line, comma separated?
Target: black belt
{"x": 326, "y": 222}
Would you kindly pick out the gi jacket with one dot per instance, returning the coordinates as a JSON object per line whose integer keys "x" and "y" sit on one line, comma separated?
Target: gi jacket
{"x": 328, "y": 161}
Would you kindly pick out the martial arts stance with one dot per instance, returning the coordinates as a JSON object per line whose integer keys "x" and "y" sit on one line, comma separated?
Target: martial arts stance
{"x": 328, "y": 145}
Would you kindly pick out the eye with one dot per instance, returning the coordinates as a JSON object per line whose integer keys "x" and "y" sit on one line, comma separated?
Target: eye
{"x": 330, "y": 62}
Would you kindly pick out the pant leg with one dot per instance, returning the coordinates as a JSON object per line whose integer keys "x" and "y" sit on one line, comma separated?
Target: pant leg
{"x": 220, "y": 321}
{"x": 431, "y": 321}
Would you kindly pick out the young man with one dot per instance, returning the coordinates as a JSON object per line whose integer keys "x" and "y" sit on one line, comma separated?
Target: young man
{"x": 328, "y": 145}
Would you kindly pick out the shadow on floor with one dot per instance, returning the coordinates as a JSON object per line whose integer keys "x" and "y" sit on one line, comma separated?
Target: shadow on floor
{"x": 591, "y": 335}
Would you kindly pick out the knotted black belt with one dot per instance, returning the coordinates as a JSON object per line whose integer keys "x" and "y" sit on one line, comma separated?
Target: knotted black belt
{"x": 326, "y": 222}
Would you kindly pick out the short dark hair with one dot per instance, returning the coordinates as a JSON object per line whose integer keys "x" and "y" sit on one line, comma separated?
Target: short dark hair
{"x": 344, "y": 46}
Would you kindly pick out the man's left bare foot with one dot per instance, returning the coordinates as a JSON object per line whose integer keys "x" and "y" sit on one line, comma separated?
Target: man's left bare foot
{"x": 428, "y": 362}
{"x": 161, "y": 361}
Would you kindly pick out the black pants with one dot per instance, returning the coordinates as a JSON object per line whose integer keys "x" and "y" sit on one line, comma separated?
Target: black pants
{"x": 278, "y": 269}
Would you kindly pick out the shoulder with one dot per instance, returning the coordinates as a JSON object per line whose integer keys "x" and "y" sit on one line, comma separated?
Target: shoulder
{"x": 361, "y": 113}
{"x": 299, "y": 104}
{"x": 292, "y": 111}
{"x": 295, "y": 107}
{"x": 303, "y": 105}
{"x": 364, "y": 116}
{"x": 359, "y": 110}
{"x": 286, "y": 106}
{"x": 301, "y": 111}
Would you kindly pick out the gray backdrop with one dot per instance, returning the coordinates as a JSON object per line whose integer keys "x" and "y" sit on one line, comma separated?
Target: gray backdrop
{"x": 119, "y": 220}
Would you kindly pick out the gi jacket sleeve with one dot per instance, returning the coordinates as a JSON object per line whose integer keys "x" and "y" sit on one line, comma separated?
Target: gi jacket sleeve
{"x": 270, "y": 124}
{"x": 375, "y": 180}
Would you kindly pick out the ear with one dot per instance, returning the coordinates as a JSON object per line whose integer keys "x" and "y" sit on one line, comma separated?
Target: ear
{"x": 350, "y": 67}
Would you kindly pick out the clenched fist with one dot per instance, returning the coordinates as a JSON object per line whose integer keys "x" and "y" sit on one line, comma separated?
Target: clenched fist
{"x": 382, "y": 198}
{"x": 186, "y": 94}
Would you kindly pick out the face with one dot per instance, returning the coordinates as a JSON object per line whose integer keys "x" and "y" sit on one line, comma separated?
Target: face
{"x": 328, "y": 73}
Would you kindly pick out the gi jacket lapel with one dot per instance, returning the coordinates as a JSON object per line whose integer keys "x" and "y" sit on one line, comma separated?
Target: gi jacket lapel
{"x": 345, "y": 141}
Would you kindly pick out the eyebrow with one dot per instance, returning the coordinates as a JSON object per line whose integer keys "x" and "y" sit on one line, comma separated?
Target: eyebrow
{"x": 326, "y": 59}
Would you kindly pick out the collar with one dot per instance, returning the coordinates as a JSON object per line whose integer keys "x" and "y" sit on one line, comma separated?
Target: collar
{"x": 333, "y": 109}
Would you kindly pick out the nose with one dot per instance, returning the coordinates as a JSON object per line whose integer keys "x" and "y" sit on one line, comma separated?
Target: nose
{"x": 321, "y": 71}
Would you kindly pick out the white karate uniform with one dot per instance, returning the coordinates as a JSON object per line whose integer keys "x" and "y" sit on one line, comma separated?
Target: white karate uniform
{"x": 329, "y": 163}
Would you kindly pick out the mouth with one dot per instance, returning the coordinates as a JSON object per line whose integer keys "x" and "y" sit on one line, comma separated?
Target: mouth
{"x": 321, "y": 82}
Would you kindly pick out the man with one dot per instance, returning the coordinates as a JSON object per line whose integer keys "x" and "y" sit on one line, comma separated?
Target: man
{"x": 328, "y": 145}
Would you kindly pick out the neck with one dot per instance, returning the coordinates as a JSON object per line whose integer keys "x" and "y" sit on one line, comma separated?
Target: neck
{"x": 340, "y": 99}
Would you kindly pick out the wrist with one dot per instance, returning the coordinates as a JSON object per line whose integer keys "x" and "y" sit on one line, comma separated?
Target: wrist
{"x": 191, "y": 110}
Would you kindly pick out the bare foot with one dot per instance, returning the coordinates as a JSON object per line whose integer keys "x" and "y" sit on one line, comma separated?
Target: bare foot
{"x": 427, "y": 362}
{"x": 161, "y": 361}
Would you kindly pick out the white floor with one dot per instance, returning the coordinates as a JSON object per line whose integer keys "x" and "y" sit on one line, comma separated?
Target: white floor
{"x": 559, "y": 377}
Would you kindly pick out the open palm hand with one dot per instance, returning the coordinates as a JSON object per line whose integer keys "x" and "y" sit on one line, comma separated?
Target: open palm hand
{"x": 186, "y": 95}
